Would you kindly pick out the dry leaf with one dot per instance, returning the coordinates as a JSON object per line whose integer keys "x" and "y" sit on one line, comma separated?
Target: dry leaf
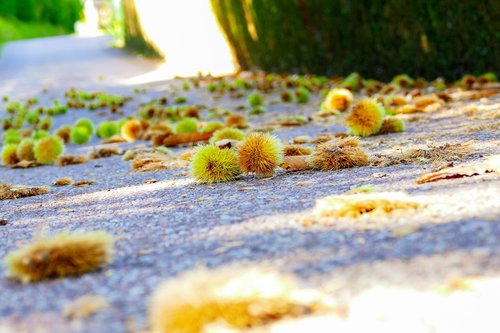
{"x": 291, "y": 122}
{"x": 84, "y": 306}
{"x": 326, "y": 113}
{"x": 24, "y": 164}
{"x": 151, "y": 162}
{"x": 379, "y": 175}
{"x": 296, "y": 150}
{"x": 63, "y": 181}
{"x": 18, "y": 191}
{"x": 296, "y": 163}
{"x": 71, "y": 159}
{"x": 327, "y": 137}
{"x": 492, "y": 164}
{"x": 246, "y": 188}
{"x": 114, "y": 139}
{"x": 302, "y": 139}
{"x": 180, "y": 138}
{"x": 104, "y": 152}
{"x": 404, "y": 230}
{"x": 83, "y": 183}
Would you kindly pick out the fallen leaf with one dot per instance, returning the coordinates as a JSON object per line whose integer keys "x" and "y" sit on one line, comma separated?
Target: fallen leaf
{"x": 63, "y": 181}
{"x": 104, "y": 152}
{"x": 326, "y": 113}
{"x": 303, "y": 139}
{"x": 24, "y": 164}
{"x": 491, "y": 164}
{"x": 404, "y": 230}
{"x": 327, "y": 137}
{"x": 246, "y": 188}
{"x": 71, "y": 159}
{"x": 291, "y": 122}
{"x": 180, "y": 138}
{"x": 19, "y": 191}
{"x": 233, "y": 244}
{"x": 84, "y": 306}
{"x": 114, "y": 139}
{"x": 296, "y": 163}
{"x": 83, "y": 183}
{"x": 268, "y": 178}
{"x": 379, "y": 175}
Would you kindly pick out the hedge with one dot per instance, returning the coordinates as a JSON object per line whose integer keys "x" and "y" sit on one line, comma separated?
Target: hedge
{"x": 64, "y": 13}
{"x": 379, "y": 39}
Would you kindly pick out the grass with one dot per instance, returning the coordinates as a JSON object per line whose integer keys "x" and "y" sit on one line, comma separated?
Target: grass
{"x": 12, "y": 29}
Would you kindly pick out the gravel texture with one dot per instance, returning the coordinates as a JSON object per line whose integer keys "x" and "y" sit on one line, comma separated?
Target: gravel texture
{"x": 174, "y": 225}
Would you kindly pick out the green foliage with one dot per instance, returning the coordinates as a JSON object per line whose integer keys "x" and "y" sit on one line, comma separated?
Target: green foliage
{"x": 8, "y": 8}
{"x": 61, "y": 13}
{"x": 12, "y": 29}
{"x": 26, "y": 10}
{"x": 377, "y": 38}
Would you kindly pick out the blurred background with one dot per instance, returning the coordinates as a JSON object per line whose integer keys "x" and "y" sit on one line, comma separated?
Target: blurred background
{"x": 379, "y": 39}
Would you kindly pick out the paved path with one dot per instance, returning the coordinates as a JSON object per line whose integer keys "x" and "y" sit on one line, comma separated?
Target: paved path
{"x": 27, "y": 67}
{"x": 174, "y": 225}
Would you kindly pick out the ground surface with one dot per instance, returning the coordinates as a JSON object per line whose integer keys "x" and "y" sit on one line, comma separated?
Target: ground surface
{"x": 174, "y": 225}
